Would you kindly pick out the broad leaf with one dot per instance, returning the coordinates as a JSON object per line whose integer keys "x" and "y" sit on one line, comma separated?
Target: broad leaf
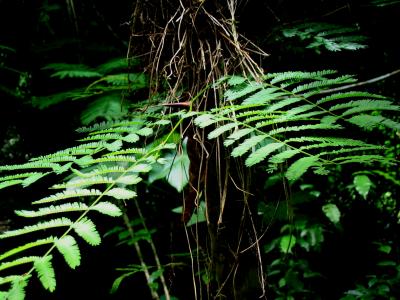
{"x": 332, "y": 212}
{"x": 362, "y": 184}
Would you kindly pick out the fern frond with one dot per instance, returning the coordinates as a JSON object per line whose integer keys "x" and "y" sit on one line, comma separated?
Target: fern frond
{"x": 86, "y": 229}
{"x": 48, "y": 210}
{"x": 45, "y": 272}
{"x": 18, "y": 176}
{"x": 111, "y": 124}
{"x": 264, "y": 96}
{"x": 361, "y": 159}
{"x": 300, "y": 166}
{"x": 369, "y": 122}
{"x": 366, "y": 105}
{"x": 103, "y": 137}
{"x": 114, "y": 65}
{"x": 205, "y": 120}
{"x": 63, "y": 70}
{"x": 237, "y": 135}
{"x": 84, "y": 182}
{"x": 141, "y": 168}
{"x": 350, "y": 150}
{"x": 320, "y": 85}
{"x": 121, "y": 193}
{"x": 240, "y": 91}
{"x": 220, "y": 130}
{"x": 32, "y": 165}
{"x": 140, "y": 151}
{"x": 102, "y": 207}
{"x": 283, "y": 103}
{"x": 283, "y": 156}
{"x": 26, "y": 247}
{"x": 119, "y": 129}
{"x": 297, "y": 76}
{"x": 113, "y": 158}
{"x": 107, "y": 208}
{"x": 145, "y": 131}
{"x": 82, "y": 149}
{"x": 346, "y": 95}
{"x": 235, "y": 80}
{"x": 17, "y": 262}
{"x": 61, "y": 222}
{"x": 247, "y": 145}
{"x": 261, "y": 153}
{"x": 67, "y": 194}
{"x": 69, "y": 249}
{"x": 101, "y": 170}
{"x": 302, "y": 128}
{"x": 6, "y": 184}
{"x": 17, "y": 291}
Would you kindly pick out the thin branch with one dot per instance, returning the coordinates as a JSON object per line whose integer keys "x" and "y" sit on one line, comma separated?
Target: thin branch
{"x": 349, "y": 86}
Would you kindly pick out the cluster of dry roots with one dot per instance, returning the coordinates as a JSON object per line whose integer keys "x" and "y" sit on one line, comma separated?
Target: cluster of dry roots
{"x": 186, "y": 46}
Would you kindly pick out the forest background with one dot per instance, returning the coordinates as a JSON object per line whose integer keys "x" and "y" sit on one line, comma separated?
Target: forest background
{"x": 317, "y": 233}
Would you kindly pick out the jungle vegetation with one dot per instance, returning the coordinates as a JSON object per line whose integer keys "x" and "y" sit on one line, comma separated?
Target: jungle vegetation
{"x": 199, "y": 149}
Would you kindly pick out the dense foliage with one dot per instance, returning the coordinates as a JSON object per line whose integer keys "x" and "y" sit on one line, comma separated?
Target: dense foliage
{"x": 229, "y": 173}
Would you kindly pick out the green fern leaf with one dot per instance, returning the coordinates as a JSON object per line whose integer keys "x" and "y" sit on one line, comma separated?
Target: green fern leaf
{"x": 283, "y": 156}
{"x": 31, "y": 165}
{"x": 84, "y": 182}
{"x": 48, "y": 210}
{"x": 121, "y": 193}
{"x": 140, "y": 151}
{"x": 220, "y": 130}
{"x": 361, "y": 159}
{"x": 247, "y": 145}
{"x": 17, "y": 291}
{"x": 45, "y": 271}
{"x": 353, "y": 94}
{"x": 107, "y": 208}
{"x": 131, "y": 138}
{"x": 320, "y": 85}
{"x": 136, "y": 123}
{"x": 145, "y": 131}
{"x": 261, "y": 153}
{"x": 235, "y": 80}
{"x": 26, "y": 246}
{"x": 300, "y": 166}
{"x": 75, "y": 74}
{"x": 114, "y": 146}
{"x": 283, "y": 103}
{"x": 302, "y": 128}
{"x": 33, "y": 178}
{"x": 113, "y": 158}
{"x": 6, "y": 184}
{"x": 115, "y": 65}
{"x": 103, "y": 137}
{"x": 101, "y": 170}
{"x": 17, "y": 262}
{"x": 86, "y": 229}
{"x": 18, "y": 176}
{"x": 61, "y": 222}
{"x": 204, "y": 120}
{"x": 141, "y": 168}
{"x": 128, "y": 179}
{"x": 237, "y": 135}
{"x": 364, "y": 105}
{"x": 264, "y": 96}
{"x": 69, "y": 249}
{"x": 369, "y": 122}
{"x": 76, "y": 193}
{"x": 298, "y": 76}
{"x": 238, "y": 92}
{"x": 108, "y": 106}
